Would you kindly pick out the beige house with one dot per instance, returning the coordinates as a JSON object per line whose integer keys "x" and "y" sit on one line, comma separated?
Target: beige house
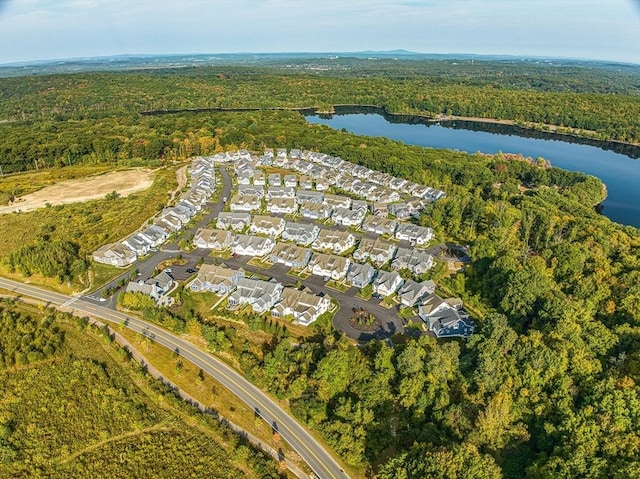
{"x": 329, "y": 265}
{"x": 214, "y": 239}
{"x": 305, "y": 308}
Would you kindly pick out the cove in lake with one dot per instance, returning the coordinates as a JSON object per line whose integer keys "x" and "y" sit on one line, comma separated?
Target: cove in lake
{"x": 613, "y": 163}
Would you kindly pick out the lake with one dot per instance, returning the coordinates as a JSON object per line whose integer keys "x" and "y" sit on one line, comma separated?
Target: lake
{"x": 613, "y": 163}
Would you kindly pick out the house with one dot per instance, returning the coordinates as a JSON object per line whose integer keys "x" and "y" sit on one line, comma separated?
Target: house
{"x": 154, "y": 235}
{"x": 253, "y": 190}
{"x": 322, "y": 184}
{"x": 304, "y": 307}
{"x": 115, "y": 254}
{"x": 215, "y": 239}
{"x": 418, "y": 261}
{"x": 235, "y": 221}
{"x": 275, "y": 179}
{"x": 445, "y": 318}
{"x": 137, "y": 244}
{"x": 258, "y": 178}
{"x": 245, "y": 203}
{"x": 360, "y": 275}
{"x": 181, "y": 213}
{"x": 300, "y": 233}
{"x": 216, "y": 279}
{"x": 379, "y": 225}
{"x": 282, "y": 206}
{"x": 329, "y": 265}
{"x": 261, "y": 295}
{"x": 315, "y": 211}
{"x": 244, "y": 177}
{"x": 333, "y": 240}
{"x": 400, "y": 210}
{"x": 377, "y": 250}
{"x": 169, "y": 222}
{"x": 290, "y": 255}
{"x": 337, "y": 201}
{"x": 304, "y": 196}
{"x": 411, "y": 292}
{"x": 290, "y": 181}
{"x": 378, "y": 209}
{"x": 281, "y": 192}
{"x": 306, "y": 183}
{"x": 419, "y": 235}
{"x": 385, "y": 283}
{"x": 347, "y": 217}
{"x": 247, "y": 245}
{"x": 154, "y": 287}
{"x": 267, "y": 225}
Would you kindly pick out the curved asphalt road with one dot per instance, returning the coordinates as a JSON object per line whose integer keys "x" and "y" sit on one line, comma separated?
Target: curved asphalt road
{"x": 323, "y": 465}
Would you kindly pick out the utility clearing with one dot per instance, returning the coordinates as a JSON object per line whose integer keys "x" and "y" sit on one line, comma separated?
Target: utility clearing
{"x": 83, "y": 189}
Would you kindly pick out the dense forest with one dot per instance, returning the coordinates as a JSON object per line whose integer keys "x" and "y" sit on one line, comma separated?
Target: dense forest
{"x": 72, "y": 406}
{"x": 45, "y": 120}
{"x": 548, "y": 384}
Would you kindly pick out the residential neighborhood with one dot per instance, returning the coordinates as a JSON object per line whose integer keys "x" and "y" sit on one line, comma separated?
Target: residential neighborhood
{"x": 317, "y": 215}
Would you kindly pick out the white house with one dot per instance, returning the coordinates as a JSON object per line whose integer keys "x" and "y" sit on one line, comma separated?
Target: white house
{"x": 415, "y": 260}
{"x": 385, "y": 283}
{"x": 412, "y": 292}
{"x": 419, "y": 235}
{"x": 290, "y": 255}
{"x": 334, "y": 240}
{"x": 300, "y": 233}
{"x": 235, "y": 221}
{"x": 379, "y": 225}
{"x": 245, "y": 203}
{"x": 267, "y": 225}
{"x": 115, "y": 254}
{"x": 377, "y": 250}
{"x": 261, "y": 295}
{"x": 282, "y": 206}
{"x": 347, "y": 217}
{"x": 214, "y": 239}
{"x": 305, "y": 308}
{"x": 315, "y": 211}
{"x": 216, "y": 279}
{"x": 445, "y": 318}
{"x": 329, "y": 265}
{"x": 360, "y": 275}
{"x": 247, "y": 245}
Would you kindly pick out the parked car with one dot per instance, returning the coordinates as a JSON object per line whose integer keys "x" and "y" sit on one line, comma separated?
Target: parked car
{"x": 191, "y": 270}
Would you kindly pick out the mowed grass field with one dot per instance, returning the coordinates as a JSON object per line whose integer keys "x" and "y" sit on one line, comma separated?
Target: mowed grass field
{"x": 88, "y": 411}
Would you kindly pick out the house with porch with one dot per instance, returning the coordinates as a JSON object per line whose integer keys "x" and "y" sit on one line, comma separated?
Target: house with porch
{"x": 260, "y": 295}
{"x": 268, "y": 225}
{"x": 290, "y": 255}
{"x": 329, "y": 265}
{"x": 245, "y": 203}
{"x": 215, "y": 239}
{"x": 377, "y": 250}
{"x": 379, "y": 225}
{"x": 412, "y": 292}
{"x": 445, "y": 318}
{"x": 248, "y": 245}
{"x": 415, "y": 260}
{"x": 234, "y": 221}
{"x": 335, "y": 241}
{"x": 282, "y": 206}
{"x": 301, "y": 233}
{"x": 315, "y": 211}
{"x": 360, "y": 275}
{"x": 419, "y": 235}
{"x": 303, "y": 307}
{"x": 216, "y": 279}
{"x": 115, "y": 254}
{"x": 386, "y": 283}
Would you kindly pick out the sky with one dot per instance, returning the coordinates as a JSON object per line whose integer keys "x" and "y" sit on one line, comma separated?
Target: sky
{"x": 56, "y": 29}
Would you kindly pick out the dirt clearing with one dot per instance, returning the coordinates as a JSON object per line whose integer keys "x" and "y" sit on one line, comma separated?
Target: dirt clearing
{"x": 83, "y": 189}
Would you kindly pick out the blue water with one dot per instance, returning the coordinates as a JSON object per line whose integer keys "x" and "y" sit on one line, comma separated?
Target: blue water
{"x": 620, "y": 173}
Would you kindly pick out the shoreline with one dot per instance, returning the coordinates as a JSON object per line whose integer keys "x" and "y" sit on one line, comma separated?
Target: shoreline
{"x": 542, "y": 128}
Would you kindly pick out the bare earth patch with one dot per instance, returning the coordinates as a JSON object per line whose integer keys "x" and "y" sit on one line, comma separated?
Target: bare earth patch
{"x": 83, "y": 189}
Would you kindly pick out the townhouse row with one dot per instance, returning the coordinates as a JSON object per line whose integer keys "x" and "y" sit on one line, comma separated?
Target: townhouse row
{"x": 169, "y": 220}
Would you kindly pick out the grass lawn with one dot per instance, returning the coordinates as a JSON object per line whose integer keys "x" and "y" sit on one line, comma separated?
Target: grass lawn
{"x": 365, "y": 293}
{"x": 337, "y": 285}
{"x": 260, "y": 263}
{"x": 300, "y": 274}
{"x": 103, "y": 273}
